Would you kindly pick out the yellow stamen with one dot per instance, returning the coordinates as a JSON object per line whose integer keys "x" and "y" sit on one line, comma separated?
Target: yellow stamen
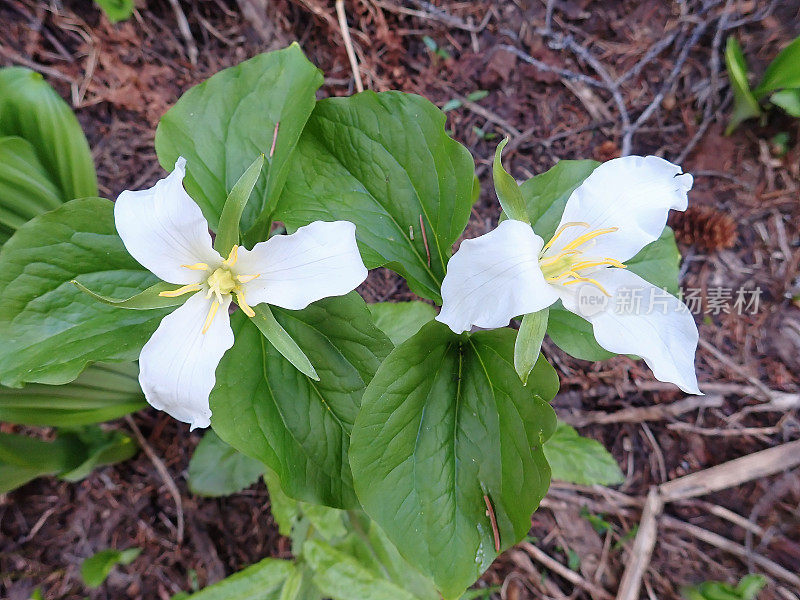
{"x": 551, "y": 260}
{"x": 588, "y": 280}
{"x": 232, "y": 257}
{"x": 561, "y": 230}
{"x": 562, "y": 276}
{"x": 606, "y": 262}
{"x": 196, "y": 267}
{"x": 247, "y": 278}
{"x": 211, "y": 314}
{"x": 240, "y": 300}
{"x": 192, "y": 287}
{"x": 582, "y": 239}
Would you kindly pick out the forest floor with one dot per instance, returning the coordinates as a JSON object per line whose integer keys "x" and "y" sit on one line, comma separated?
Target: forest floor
{"x": 565, "y": 79}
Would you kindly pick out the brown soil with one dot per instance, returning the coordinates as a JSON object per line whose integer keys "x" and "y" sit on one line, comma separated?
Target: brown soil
{"x": 121, "y": 78}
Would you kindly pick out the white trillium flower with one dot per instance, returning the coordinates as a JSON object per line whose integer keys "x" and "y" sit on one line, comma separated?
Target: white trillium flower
{"x": 165, "y": 231}
{"x": 618, "y": 210}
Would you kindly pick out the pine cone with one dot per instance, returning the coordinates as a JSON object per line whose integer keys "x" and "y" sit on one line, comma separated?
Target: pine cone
{"x": 704, "y": 227}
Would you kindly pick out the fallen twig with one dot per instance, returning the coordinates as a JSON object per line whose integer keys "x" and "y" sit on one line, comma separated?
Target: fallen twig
{"x": 723, "y": 543}
{"x": 542, "y": 557}
{"x": 163, "y": 472}
{"x": 348, "y": 44}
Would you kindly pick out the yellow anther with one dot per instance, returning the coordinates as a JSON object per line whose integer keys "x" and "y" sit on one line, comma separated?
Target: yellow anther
{"x": 232, "y": 257}
{"x": 247, "y": 278}
{"x": 582, "y": 239}
{"x": 561, "y": 230}
{"x": 196, "y": 267}
{"x": 240, "y": 300}
{"x": 192, "y": 287}
{"x": 211, "y": 314}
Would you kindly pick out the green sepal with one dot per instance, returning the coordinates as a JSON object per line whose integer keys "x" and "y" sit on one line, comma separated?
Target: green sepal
{"x": 508, "y": 192}
{"x": 146, "y": 300}
{"x": 529, "y": 343}
{"x": 282, "y": 341}
{"x": 228, "y": 231}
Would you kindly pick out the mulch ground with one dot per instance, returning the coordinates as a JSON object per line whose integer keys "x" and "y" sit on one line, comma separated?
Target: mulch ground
{"x": 565, "y": 79}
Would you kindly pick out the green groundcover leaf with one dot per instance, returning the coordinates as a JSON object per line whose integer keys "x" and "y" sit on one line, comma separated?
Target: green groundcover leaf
{"x": 546, "y": 197}
{"x": 116, "y": 10}
{"x": 445, "y": 426}
{"x": 263, "y": 406}
{"x": 222, "y": 125}
{"x": 50, "y": 329}
{"x": 31, "y": 109}
{"x": 101, "y": 393}
{"x": 401, "y": 320}
{"x": 383, "y": 161}
{"x": 343, "y": 577}
{"x": 217, "y": 469}
{"x": 261, "y": 581}
{"x": 783, "y": 72}
{"x": 581, "y": 460}
{"x": 96, "y": 568}
{"x": 745, "y": 105}
{"x": 788, "y": 100}
{"x": 748, "y": 589}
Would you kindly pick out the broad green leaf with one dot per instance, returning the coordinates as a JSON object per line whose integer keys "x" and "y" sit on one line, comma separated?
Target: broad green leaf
{"x": 71, "y": 456}
{"x": 299, "y": 585}
{"x": 783, "y": 72}
{"x": 217, "y": 469}
{"x": 573, "y": 334}
{"x": 147, "y": 300}
{"x": 371, "y": 547}
{"x": 31, "y": 109}
{"x": 546, "y": 194}
{"x": 577, "y": 459}
{"x": 231, "y": 217}
{"x": 96, "y": 568}
{"x": 261, "y": 581}
{"x": 282, "y": 341}
{"x": 446, "y": 425}
{"x": 659, "y": 262}
{"x": 788, "y": 100}
{"x": 263, "y": 406}
{"x": 507, "y": 190}
{"x": 341, "y": 577}
{"x": 221, "y": 125}
{"x": 75, "y": 242}
{"x": 528, "y": 345}
{"x": 101, "y": 393}
{"x": 116, "y": 10}
{"x": 745, "y": 105}
{"x": 26, "y": 189}
{"x": 384, "y": 162}
{"x": 401, "y": 320}
{"x": 285, "y": 510}
{"x": 101, "y": 448}
{"x": 23, "y": 459}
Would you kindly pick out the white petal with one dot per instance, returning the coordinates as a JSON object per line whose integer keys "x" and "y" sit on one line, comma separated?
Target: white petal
{"x": 317, "y": 261}
{"x": 494, "y": 278}
{"x": 178, "y": 364}
{"x": 639, "y": 319}
{"x": 633, "y": 193}
{"x": 163, "y": 228}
